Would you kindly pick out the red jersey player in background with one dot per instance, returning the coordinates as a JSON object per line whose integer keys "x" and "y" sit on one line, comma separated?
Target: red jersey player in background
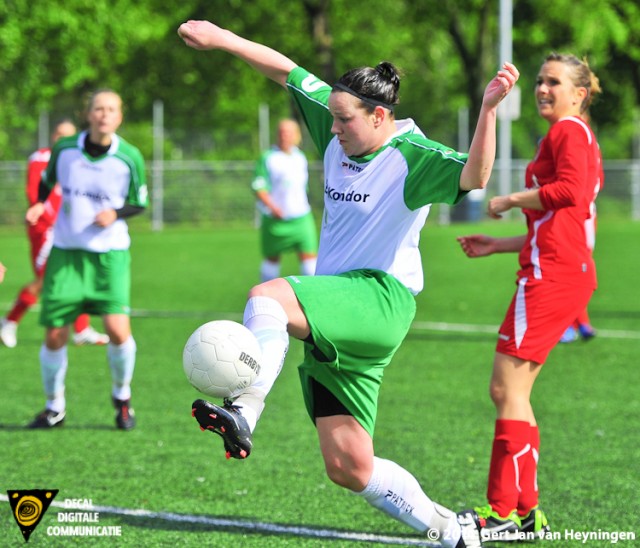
{"x": 40, "y": 239}
{"x": 556, "y": 279}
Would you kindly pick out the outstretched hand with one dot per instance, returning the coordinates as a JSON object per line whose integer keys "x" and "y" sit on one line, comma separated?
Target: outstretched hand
{"x": 477, "y": 245}
{"x": 201, "y": 35}
{"x": 501, "y": 85}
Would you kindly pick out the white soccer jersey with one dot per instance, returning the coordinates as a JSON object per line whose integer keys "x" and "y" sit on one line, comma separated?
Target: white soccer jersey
{"x": 90, "y": 185}
{"x": 284, "y": 175}
{"x": 376, "y": 206}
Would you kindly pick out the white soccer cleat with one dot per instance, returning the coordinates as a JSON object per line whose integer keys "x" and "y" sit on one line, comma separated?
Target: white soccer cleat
{"x": 90, "y": 336}
{"x": 8, "y": 332}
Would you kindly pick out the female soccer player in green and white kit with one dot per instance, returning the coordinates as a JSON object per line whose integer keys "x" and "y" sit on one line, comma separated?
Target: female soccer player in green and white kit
{"x": 381, "y": 175}
{"x": 102, "y": 178}
{"x": 286, "y": 221}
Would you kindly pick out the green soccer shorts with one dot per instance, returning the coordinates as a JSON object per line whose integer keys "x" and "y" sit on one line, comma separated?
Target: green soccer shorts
{"x": 279, "y": 236}
{"x": 358, "y": 320}
{"x": 78, "y": 281}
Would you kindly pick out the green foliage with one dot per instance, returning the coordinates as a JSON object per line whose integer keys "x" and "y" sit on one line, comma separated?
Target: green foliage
{"x": 51, "y": 58}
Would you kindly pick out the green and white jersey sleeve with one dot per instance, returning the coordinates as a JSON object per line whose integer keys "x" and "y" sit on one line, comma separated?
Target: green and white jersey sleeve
{"x": 285, "y": 176}
{"x": 376, "y": 206}
{"x": 91, "y": 185}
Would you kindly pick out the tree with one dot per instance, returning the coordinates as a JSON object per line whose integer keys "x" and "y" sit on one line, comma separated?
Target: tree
{"x": 447, "y": 49}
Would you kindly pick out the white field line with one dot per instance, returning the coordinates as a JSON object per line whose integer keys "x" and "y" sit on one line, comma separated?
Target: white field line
{"x": 416, "y": 326}
{"x": 253, "y": 526}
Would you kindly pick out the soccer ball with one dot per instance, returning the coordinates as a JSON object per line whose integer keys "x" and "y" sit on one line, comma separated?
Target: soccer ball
{"x": 222, "y": 358}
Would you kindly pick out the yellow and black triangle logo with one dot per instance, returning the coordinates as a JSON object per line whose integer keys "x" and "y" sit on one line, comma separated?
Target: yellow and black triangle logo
{"x": 29, "y": 506}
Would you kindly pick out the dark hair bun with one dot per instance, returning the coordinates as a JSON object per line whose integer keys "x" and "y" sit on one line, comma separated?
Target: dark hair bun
{"x": 388, "y": 71}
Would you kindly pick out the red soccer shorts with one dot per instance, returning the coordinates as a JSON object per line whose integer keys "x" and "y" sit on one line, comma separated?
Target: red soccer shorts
{"x": 538, "y": 315}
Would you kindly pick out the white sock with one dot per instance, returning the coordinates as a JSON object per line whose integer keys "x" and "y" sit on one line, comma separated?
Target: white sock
{"x": 53, "y": 365}
{"x": 397, "y": 493}
{"x": 267, "y": 320}
{"x": 308, "y": 266}
{"x": 122, "y": 361}
{"x": 269, "y": 271}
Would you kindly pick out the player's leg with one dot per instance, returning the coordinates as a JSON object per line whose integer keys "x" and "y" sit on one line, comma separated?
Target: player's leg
{"x": 308, "y": 245}
{"x": 270, "y": 268}
{"x": 308, "y": 262}
{"x": 27, "y": 297}
{"x": 345, "y": 359}
{"x": 347, "y": 450}
{"x": 271, "y": 247}
{"x": 121, "y": 355}
{"x": 53, "y": 367}
{"x": 84, "y": 333}
{"x": 59, "y": 305}
{"x": 584, "y": 326}
{"x": 511, "y": 385}
{"x": 40, "y": 247}
{"x": 538, "y": 315}
{"x": 110, "y": 298}
{"x": 271, "y": 313}
{"x": 513, "y": 464}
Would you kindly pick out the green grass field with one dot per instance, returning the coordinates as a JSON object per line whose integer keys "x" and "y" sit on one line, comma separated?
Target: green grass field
{"x": 166, "y": 483}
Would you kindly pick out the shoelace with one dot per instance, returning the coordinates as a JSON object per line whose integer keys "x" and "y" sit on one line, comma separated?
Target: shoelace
{"x": 228, "y": 404}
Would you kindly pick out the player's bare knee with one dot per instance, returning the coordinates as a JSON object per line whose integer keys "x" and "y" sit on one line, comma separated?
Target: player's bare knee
{"x": 498, "y": 393}
{"x": 339, "y": 475}
{"x": 272, "y": 288}
{"x": 56, "y": 337}
{"x": 349, "y": 476}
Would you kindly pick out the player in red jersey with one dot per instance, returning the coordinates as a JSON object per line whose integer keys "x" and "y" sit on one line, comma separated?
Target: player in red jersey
{"x": 40, "y": 239}
{"x": 556, "y": 279}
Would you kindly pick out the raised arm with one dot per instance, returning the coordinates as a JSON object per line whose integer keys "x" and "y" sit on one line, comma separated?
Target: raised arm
{"x": 203, "y": 35}
{"x": 482, "y": 152}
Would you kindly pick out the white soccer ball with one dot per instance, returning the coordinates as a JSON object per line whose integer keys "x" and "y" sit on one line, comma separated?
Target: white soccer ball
{"x": 222, "y": 358}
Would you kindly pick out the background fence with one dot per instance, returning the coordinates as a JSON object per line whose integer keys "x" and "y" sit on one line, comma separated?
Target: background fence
{"x": 200, "y": 192}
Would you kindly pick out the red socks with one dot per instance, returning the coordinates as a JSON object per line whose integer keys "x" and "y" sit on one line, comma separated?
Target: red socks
{"x": 513, "y": 470}
{"x": 23, "y": 303}
{"x": 81, "y": 323}
{"x": 529, "y": 475}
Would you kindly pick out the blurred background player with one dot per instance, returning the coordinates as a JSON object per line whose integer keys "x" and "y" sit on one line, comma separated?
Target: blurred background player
{"x": 3, "y": 269}
{"x": 556, "y": 279}
{"x": 40, "y": 239}
{"x": 581, "y": 327}
{"x": 102, "y": 178}
{"x": 286, "y": 223}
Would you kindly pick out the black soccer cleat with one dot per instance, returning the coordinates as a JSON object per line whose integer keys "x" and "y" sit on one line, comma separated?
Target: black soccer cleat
{"x": 470, "y": 530}
{"x": 534, "y": 525}
{"x": 494, "y": 527}
{"x": 228, "y": 423}
{"x": 47, "y": 419}
{"x": 125, "y": 416}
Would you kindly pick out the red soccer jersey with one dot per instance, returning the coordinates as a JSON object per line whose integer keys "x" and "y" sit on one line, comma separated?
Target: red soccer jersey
{"x": 568, "y": 171}
{"x": 36, "y": 165}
